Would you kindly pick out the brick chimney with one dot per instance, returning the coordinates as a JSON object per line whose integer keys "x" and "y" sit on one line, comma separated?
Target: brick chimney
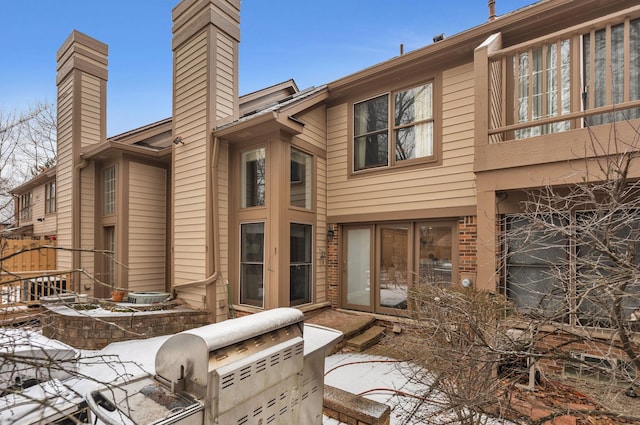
{"x": 82, "y": 84}
{"x": 206, "y": 35}
{"x": 492, "y": 10}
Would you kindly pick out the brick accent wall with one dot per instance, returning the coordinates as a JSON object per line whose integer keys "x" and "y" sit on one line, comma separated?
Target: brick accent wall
{"x": 467, "y": 245}
{"x": 91, "y": 331}
{"x": 333, "y": 269}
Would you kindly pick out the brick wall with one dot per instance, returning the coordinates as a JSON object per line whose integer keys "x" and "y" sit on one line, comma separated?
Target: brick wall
{"x": 333, "y": 271}
{"x": 467, "y": 245}
{"x": 92, "y": 331}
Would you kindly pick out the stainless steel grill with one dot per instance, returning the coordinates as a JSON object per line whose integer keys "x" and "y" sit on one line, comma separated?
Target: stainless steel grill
{"x": 267, "y": 368}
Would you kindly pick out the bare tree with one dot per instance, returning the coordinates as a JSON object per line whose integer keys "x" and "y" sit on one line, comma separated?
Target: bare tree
{"x": 569, "y": 305}
{"x": 27, "y": 147}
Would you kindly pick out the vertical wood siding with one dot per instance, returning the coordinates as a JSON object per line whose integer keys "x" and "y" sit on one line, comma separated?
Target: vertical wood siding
{"x": 147, "y": 227}
{"x": 64, "y": 173}
{"x": 450, "y": 185}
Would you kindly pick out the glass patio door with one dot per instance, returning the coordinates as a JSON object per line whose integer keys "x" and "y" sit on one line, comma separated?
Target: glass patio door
{"x": 357, "y": 271}
{"x": 393, "y": 263}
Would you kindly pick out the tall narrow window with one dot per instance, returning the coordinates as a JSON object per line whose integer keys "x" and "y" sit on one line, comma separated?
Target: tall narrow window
{"x": 253, "y": 178}
{"x": 371, "y": 133}
{"x": 110, "y": 262}
{"x": 25, "y": 206}
{"x": 301, "y": 179}
{"x": 543, "y": 87}
{"x": 300, "y": 275}
{"x": 50, "y": 197}
{"x": 109, "y": 191}
{"x": 604, "y": 70}
{"x": 413, "y": 124}
{"x": 252, "y": 264}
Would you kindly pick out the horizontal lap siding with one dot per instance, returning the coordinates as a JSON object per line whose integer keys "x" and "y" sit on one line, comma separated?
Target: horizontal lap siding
{"x": 90, "y": 110}
{"x": 190, "y": 164}
{"x": 87, "y": 220}
{"x": 451, "y": 184}
{"x": 223, "y": 209}
{"x": 64, "y": 173}
{"x": 224, "y": 76}
{"x": 147, "y": 227}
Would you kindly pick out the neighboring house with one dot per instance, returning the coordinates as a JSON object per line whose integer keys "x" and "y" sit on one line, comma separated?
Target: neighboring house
{"x": 35, "y": 208}
{"x": 345, "y": 194}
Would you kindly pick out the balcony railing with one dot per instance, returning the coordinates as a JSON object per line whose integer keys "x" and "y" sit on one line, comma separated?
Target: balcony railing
{"x": 27, "y": 288}
{"x": 585, "y": 75}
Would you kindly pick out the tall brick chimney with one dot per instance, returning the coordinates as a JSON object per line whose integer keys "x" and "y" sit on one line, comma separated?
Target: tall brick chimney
{"x": 206, "y": 35}
{"x": 82, "y": 84}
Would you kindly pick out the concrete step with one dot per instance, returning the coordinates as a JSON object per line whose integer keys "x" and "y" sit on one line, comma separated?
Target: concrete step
{"x": 366, "y": 339}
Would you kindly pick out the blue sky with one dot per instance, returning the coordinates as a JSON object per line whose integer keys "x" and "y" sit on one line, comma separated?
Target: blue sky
{"x": 312, "y": 41}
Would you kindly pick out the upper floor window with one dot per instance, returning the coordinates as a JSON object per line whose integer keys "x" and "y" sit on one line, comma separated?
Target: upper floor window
{"x": 393, "y": 128}
{"x": 547, "y": 85}
{"x": 543, "y": 87}
{"x": 109, "y": 191}
{"x": 301, "y": 179}
{"x": 253, "y": 178}
{"x": 25, "y": 206}
{"x": 604, "y": 70}
{"x": 50, "y": 197}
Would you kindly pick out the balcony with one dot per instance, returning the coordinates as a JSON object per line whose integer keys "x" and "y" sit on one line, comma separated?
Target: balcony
{"x": 557, "y": 91}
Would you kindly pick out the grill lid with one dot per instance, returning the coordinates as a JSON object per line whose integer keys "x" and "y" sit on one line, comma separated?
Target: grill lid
{"x": 185, "y": 359}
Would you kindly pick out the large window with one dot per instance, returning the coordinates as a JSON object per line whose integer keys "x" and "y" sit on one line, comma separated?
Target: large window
{"x": 379, "y": 141}
{"x": 50, "y": 197}
{"x": 609, "y": 59}
{"x": 543, "y": 87}
{"x": 252, "y": 264}
{"x": 25, "y": 206}
{"x": 300, "y": 181}
{"x": 300, "y": 265}
{"x": 579, "y": 268}
{"x": 253, "y": 178}
{"x": 604, "y": 70}
{"x": 109, "y": 176}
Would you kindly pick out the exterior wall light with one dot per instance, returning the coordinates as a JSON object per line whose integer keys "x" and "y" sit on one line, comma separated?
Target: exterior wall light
{"x": 331, "y": 233}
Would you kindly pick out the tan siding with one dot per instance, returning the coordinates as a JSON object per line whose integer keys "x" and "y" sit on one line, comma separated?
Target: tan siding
{"x": 451, "y": 184}
{"x": 315, "y": 127}
{"x": 90, "y": 110}
{"x": 64, "y": 172}
{"x": 147, "y": 227}
{"x": 223, "y": 209}
{"x": 87, "y": 220}
{"x": 190, "y": 118}
{"x": 224, "y": 76}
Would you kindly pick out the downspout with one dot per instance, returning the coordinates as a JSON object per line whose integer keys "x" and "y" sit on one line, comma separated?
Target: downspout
{"x": 213, "y": 277}
{"x": 76, "y": 255}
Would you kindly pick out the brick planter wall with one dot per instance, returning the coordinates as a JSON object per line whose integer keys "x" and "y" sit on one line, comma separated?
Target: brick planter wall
{"x": 95, "y": 329}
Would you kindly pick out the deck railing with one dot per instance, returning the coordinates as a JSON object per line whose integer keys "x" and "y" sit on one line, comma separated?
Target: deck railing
{"x": 585, "y": 75}
{"x": 27, "y": 288}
